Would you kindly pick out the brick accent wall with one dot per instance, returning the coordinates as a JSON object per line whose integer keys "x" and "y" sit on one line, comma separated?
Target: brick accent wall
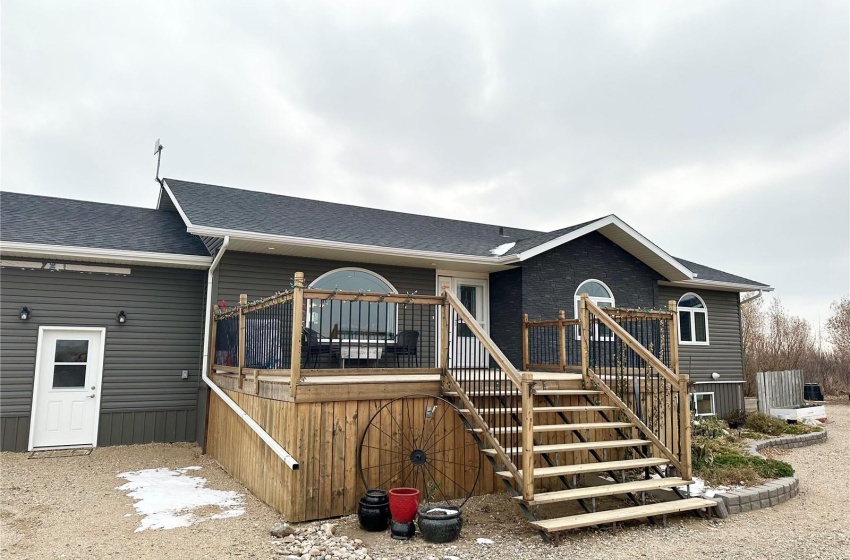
{"x": 549, "y": 280}
{"x": 506, "y": 313}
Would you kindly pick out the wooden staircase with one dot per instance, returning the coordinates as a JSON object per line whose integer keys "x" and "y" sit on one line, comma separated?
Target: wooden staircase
{"x": 567, "y": 445}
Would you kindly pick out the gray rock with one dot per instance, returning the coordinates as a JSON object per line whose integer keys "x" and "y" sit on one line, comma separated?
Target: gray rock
{"x": 281, "y": 529}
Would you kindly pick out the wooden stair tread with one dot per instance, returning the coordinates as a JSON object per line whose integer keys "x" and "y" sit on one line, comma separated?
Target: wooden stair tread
{"x": 553, "y": 376}
{"x": 566, "y": 392}
{"x": 623, "y": 514}
{"x": 569, "y": 470}
{"x": 561, "y": 427}
{"x": 542, "y": 409}
{"x": 605, "y": 490}
{"x": 583, "y": 446}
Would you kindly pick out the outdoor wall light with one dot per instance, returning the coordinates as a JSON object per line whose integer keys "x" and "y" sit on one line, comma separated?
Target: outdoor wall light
{"x": 122, "y": 317}
{"x": 25, "y": 313}
{"x": 715, "y": 375}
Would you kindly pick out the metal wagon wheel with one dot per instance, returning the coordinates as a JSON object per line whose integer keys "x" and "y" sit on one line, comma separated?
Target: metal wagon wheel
{"x": 423, "y": 442}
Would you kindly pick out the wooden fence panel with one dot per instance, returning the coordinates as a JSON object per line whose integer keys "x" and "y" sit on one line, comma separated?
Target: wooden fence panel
{"x": 779, "y": 389}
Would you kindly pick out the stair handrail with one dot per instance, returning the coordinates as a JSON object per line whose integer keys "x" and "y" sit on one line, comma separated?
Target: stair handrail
{"x": 484, "y": 338}
{"x": 639, "y": 349}
{"x": 678, "y": 383}
{"x": 512, "y": 374}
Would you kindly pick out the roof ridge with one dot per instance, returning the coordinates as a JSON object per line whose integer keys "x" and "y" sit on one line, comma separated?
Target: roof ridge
{"x": 397, "y": 212}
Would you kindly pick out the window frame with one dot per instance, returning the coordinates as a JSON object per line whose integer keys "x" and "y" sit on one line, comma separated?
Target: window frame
{"x": 694, "y": 396}
{"x": 321, "y": 277}
{"x": 596, "y": 300}
{"x": 692, "y": 311}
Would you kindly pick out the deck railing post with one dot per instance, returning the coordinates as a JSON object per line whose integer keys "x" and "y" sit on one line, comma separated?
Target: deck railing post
{"x": 685, "y": 426}
{"x": 243, "y": 300}
{"x": 444, "y": 335}
{"x": 525, "y": 358}
{"x": 562, "y": 339}
{"x": 297, "y": 331}
{"x": 584, "y": 321}
{"x": 527, "y": 436}
{"x": 674, "y": 335}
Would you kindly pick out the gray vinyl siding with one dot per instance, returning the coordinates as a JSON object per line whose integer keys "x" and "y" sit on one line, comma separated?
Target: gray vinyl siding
{"x": 260, "y": 275}
{"x": 143, "y": 358}
{"x": 728, "y": 397}
{"x": 723, "y": 352}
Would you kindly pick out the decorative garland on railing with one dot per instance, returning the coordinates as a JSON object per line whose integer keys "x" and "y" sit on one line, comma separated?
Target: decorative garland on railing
{"x": 225, "y": 313}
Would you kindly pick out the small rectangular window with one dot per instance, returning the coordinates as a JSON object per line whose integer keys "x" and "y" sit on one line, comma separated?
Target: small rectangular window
{"x": 699, "y": 327}
{"x": 703, "y": 404}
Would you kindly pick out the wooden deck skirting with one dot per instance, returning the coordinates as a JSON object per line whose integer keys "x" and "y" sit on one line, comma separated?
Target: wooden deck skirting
{"x": 324, "y": 436}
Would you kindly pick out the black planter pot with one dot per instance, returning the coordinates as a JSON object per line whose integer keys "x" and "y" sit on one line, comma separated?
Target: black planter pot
{"x": 440, "y": 523}
{"x": 402, "y": 531}
{"x": 373, "y": 511}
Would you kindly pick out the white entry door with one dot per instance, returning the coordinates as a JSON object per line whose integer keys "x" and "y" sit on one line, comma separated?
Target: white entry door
{"x": 465, "y": 350}
{"x": 66, "y": 396}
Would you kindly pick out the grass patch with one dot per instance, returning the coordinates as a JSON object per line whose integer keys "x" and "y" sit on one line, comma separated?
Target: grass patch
{"x": 719, "y": 456}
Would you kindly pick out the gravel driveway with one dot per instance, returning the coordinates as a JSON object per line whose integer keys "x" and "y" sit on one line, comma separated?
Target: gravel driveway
{"x": 69, "y": 508}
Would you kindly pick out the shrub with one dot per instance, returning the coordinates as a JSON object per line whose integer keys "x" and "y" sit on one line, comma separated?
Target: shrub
{"x": 710, "y": 427}
{"x": 764, "y": 424}
{"x": 736, "y": 418}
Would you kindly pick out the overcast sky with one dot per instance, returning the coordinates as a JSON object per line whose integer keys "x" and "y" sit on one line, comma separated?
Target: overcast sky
{"x": 717, "y": 129}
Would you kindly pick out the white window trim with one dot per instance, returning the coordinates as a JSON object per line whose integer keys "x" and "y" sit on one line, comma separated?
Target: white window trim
{"x": 597, "y": 301}
{"x": 694, "y": 404}
{"x": 691, "y": 312}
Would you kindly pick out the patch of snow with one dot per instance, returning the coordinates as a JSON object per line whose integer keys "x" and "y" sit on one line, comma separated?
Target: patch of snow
{"x": 168, "y": 498}
{"x": 502, "y": 249}
{"x": 442, "y": 510}
{"x": 484, "y": 541}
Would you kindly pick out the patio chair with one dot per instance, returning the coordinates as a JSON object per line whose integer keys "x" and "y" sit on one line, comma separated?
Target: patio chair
{"x": 313, "y": 347}
{"x": 405, "y": 345}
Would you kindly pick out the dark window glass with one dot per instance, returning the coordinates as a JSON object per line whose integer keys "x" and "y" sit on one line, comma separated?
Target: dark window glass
{"x": 66, "y": 375}
{"x": 72, "y": 351}
{"x": 355, "y": 319}
{"x": 699, "y": 327}
{"x": 685, "y": 326}
{"x": 690, "y": 301}
{"x": 467, "y": 298}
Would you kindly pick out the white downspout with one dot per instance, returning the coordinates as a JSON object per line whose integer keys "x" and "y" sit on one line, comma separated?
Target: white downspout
{"x": 751, "y": 298}
{"x": 288, "y": 459}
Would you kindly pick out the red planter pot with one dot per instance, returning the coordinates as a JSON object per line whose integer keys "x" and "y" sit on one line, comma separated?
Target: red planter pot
{"x": 404, "y": 504}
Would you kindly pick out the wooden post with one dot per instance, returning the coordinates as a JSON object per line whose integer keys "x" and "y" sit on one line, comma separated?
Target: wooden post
{"x": 297, "y": 331}
{"x": 527, "y": 436}
{"x": 444, "y": 335}
{"x": 243, "y": 300}
{"x": 584, "y": 320}
{"x": 525, "y": 358}
{"x": 674, "y": 336}
{"x": 685, "y": 426}
{"x": 562, "y": 339}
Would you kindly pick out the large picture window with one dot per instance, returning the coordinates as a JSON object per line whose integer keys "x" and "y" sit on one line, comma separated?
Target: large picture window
{"x": 693, "y": 320}
{"x": 601, "y": 295}
{"x": 353, "y": 319}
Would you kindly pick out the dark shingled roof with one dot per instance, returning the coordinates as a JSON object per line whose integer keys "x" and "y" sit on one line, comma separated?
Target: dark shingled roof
{"x": 273, "y": 214}
{"x": 242, "y": 210}
{"x": 26, "y": 218}
{"x": 707, "y": 273}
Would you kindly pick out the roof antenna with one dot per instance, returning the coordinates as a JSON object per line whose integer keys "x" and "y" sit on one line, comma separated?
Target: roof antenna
{"x": 157, "y": 151}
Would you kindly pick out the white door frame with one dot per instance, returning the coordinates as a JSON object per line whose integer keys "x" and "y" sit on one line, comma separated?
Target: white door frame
{"x": 473, "y": 278}
{"x": 35, "y": 385}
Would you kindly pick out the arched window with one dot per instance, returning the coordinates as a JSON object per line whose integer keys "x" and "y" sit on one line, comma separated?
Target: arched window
{"x": 693, "y": 320}
{"x": 352, "y": 319}
{"x": 602, "y": 296}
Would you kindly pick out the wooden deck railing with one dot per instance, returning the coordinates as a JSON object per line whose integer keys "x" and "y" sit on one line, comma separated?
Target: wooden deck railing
{"x": 305, "y": 332}
{"x": 480, "y": 374}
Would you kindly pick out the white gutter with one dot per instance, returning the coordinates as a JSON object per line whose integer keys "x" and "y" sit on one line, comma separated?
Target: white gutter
{"x": 15, "y": 248}
{"x": 288, "y": 459}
